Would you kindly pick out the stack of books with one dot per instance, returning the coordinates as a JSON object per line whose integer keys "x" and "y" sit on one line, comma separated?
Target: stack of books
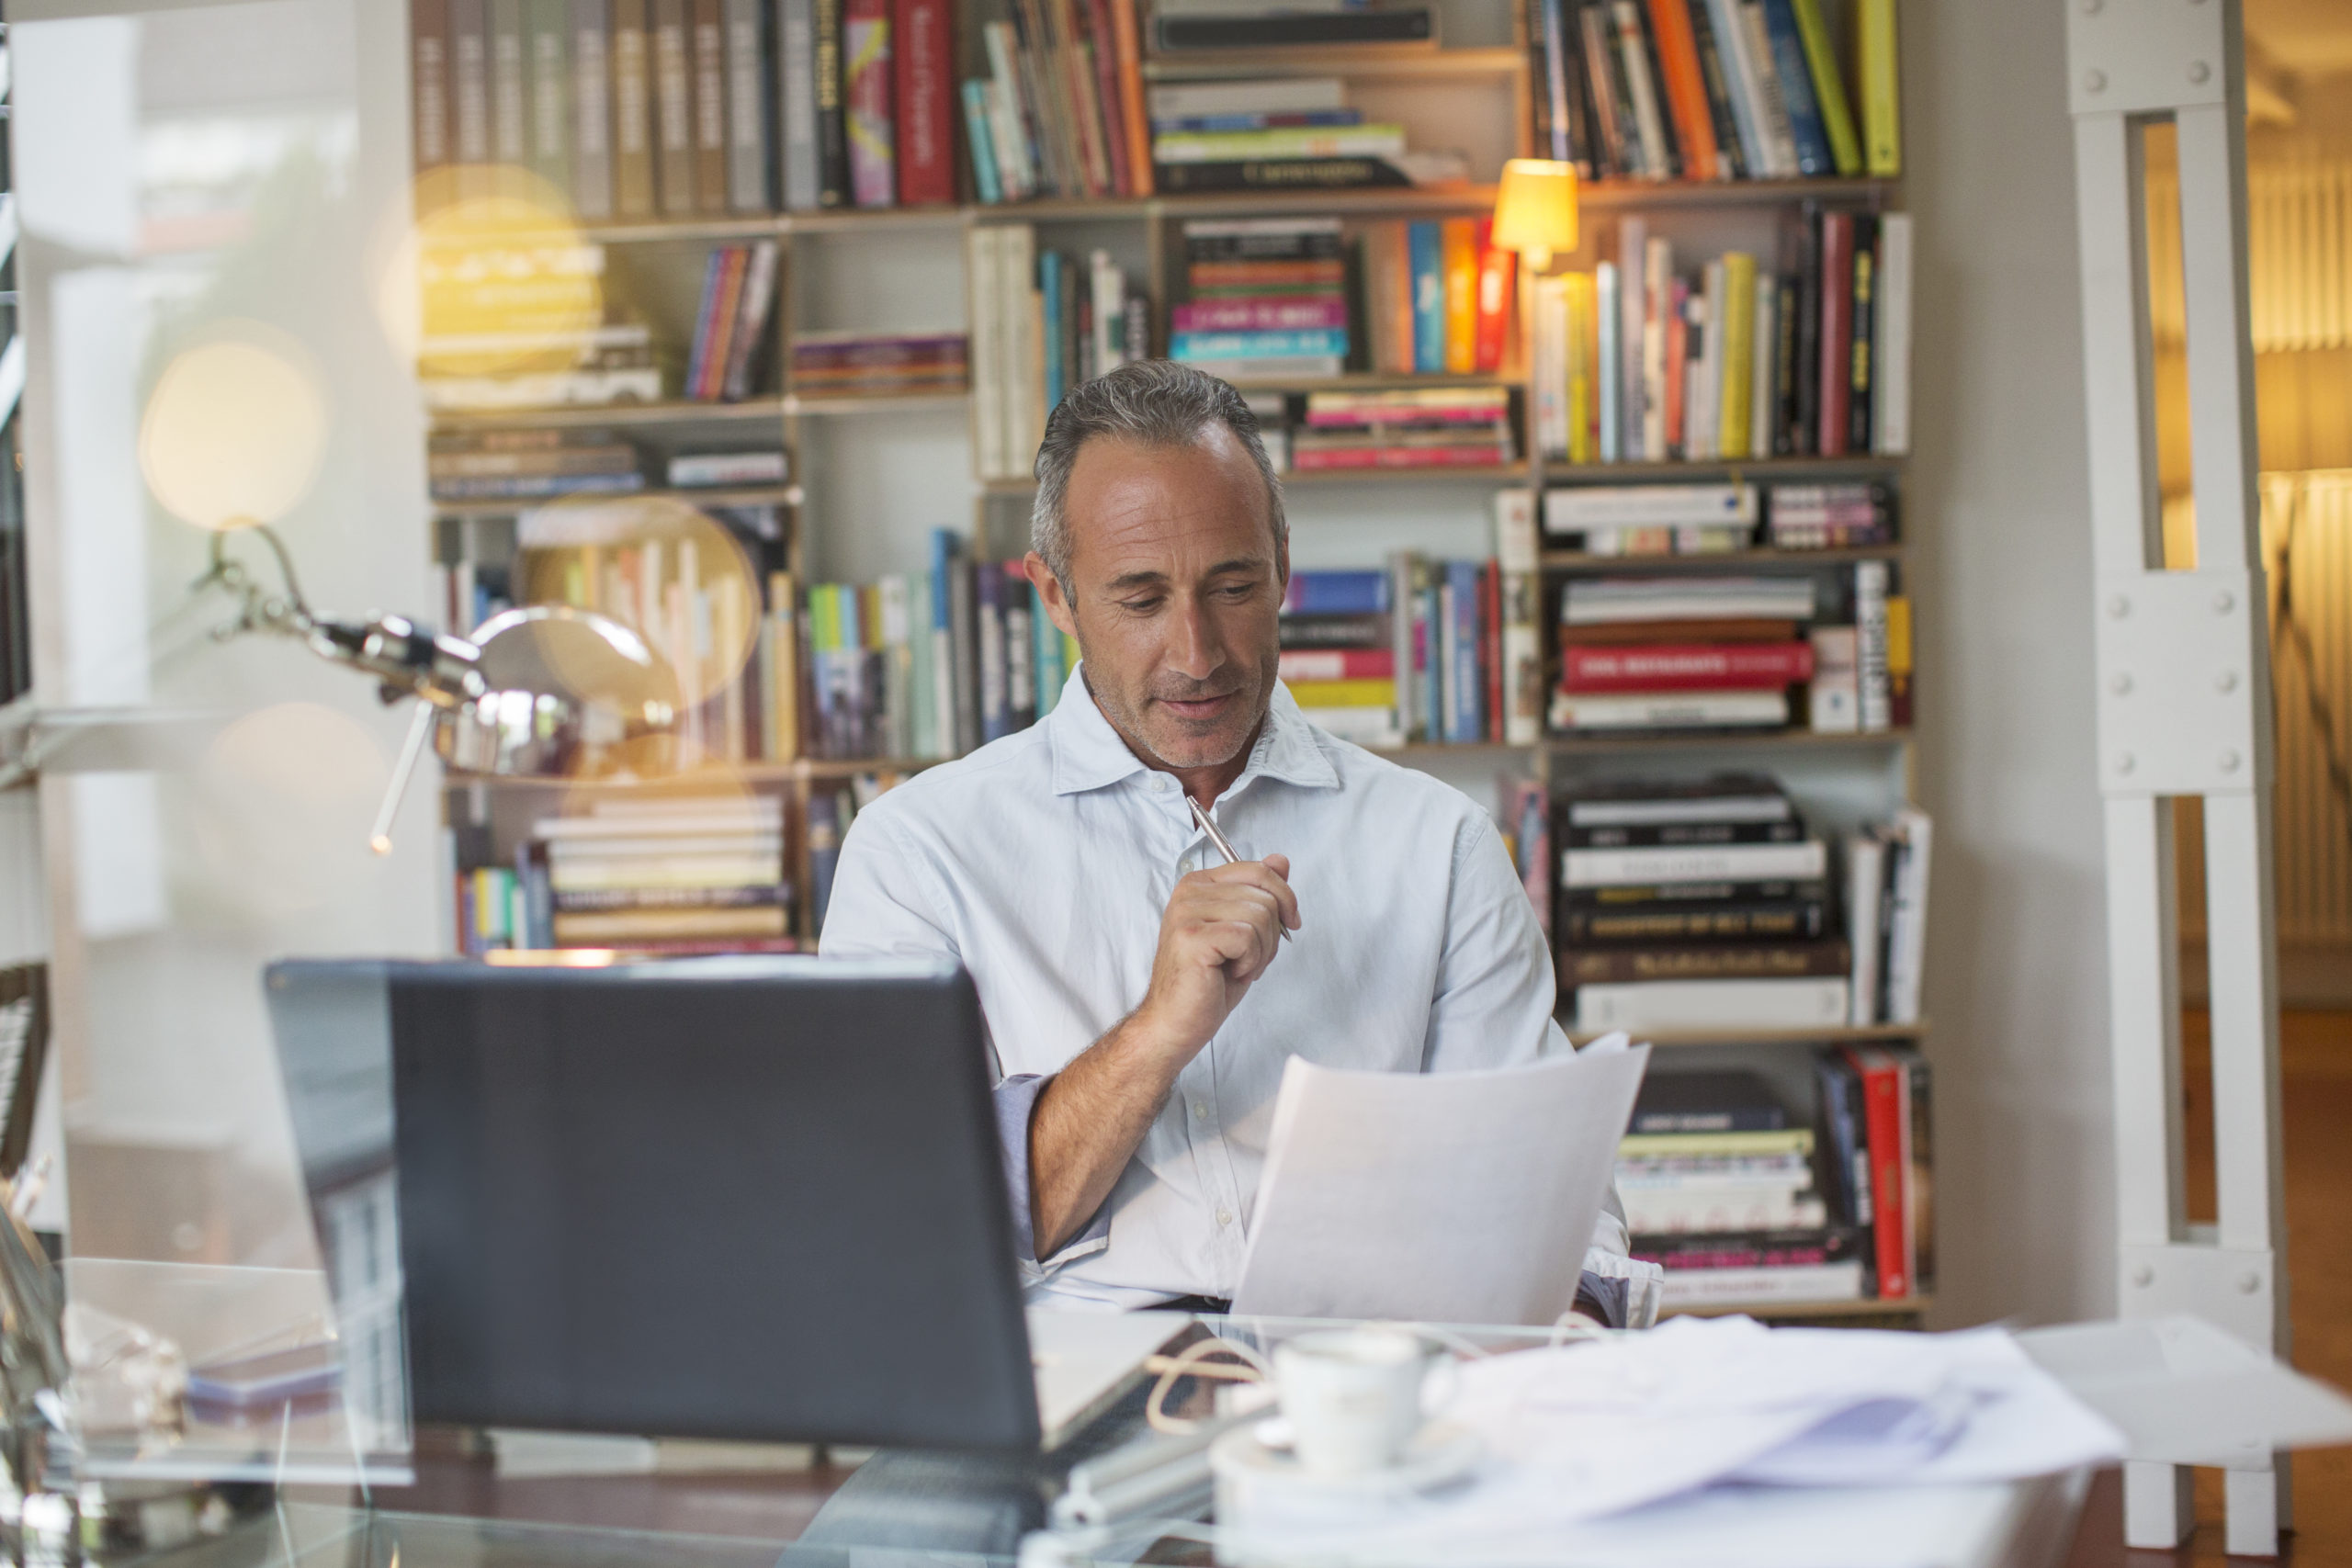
{"x": 1719, "y": 1190}
{"x": 1303, "y": 25}
{"x": 1281, "y": 133}
{"x": 1682, "y": 653}
{"x": 1878, "y": 1162}
{"x": 928, "y": 665}
{"x": 677, "y": 108}
{"x": 527, "y": 326}
{"x": 1653, "y": 519}
{"x": 1639, "y": 360}
{"x": 1043, "y": 323}
{"x": 1060, "y": 110}
{"x": 1411, "y": 427}
{"x": 1700, "y": 905}
{"x": 684, "y": 873}
{"x": 497, "y": 465}
{"x": 877, "y": 364}
{"x": 1861, "y": 657}
{"x": 1837, "y": 516}
{"x": 1715, "y": 89}
{"x": 731, "y": 323}
{"x": 1248, "y": 276}
{"x": 1339, "y": 653}
{"x": 1437, "y": 296}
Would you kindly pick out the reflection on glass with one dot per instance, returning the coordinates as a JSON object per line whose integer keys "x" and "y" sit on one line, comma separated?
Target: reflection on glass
{"x": 235, "y": 428}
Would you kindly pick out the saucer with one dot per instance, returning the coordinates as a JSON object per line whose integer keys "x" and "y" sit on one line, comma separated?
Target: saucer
{"x": 1442, "y": 1452}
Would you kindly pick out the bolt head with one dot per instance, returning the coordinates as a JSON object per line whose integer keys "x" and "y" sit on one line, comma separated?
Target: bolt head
{"x": 2227, "y": 681}
{"x": 2224, "y": 602}
{"x": 2095, "y": 81}
{"x": 2143, "y": 1276}
{"x": 2118, "y": 606}
{"x": 2198, "y": 73}
{"x": 2125, "y": 761}
{"x": 2229, "y": 761}
{"x": 2120, "y": 683}
{"x": 2249, "y": 1283}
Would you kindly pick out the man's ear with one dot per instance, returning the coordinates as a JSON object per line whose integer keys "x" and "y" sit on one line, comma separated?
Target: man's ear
{"x": 1282, "y": 561}
{"x": 1049, "y": 592}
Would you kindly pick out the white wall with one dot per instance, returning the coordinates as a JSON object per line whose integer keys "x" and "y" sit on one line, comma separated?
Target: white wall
{"x": 1999, "y": 497}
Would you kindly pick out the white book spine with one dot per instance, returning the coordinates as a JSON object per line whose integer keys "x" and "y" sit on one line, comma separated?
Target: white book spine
{"x": 1779, "y": 129}
{"x": 1907, "y": 938}
{"x": 1373, "y": 728}
{"x": 1574, "y": 509}
{"x": 1609, "y": 378}
{"x": 1109, "y": 291}
{"x": 1795, "y": 1282}
{"x": 1633, "y": 295}
{"x": 1747, "y": 107}
{"x": 1658, "y": 300}
{"x": 1803, "y": 861}
{"x": 982, "y": 254}
{"x": 1547, "y": 363}
{"x": 1711, "y": 1005}
{"x": 1869, "y": 635}
{"x": 1865, "y": 882}
{"x": 1764, "y": 359}
{"x": 1890, "y": 414}
{"x": 1680, "y": 710}
{"x": 1703, "y": 402}
{"x": 1025, "y": 344}
{"x": 1666, "y": 1211}
{"x": 1518, "y": 560}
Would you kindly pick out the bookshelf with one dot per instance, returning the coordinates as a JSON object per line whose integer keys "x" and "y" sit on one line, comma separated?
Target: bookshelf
{"x": 871, "y": 473}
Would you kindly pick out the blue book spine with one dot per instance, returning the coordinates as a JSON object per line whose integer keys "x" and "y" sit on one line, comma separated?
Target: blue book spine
{"x": 1428, "y": 642}
{"x": 1050, "y": 285}
{"x": 976, "y": 134}
{"x": 1469, "y": 683}
{"x": 1814, "y": 157}
{"x": 1723, "y": 17}
{"x": 944, "y": 544}
{"x": 1428, "y": 298}
{"x": 1257, "y": 346}
{"x": 1612, "y": 406}
{"x": 1336, "y": 594}
{"x": 996, "y": 706}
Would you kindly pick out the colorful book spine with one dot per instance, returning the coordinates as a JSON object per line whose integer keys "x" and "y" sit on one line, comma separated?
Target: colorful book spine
{"x": 866, "y": 93}
{"x": 924, "y": 52}
{"x": 1429, "y": 298}
{"x": 1460, "y": 263}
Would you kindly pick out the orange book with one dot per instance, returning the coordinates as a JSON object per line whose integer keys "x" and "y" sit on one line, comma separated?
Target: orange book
{"x": 1459, "y": 238}
{"x": 1129, "y": 48}
{"x": 1498, "y": 270}
{"x": 1686, "y": 88}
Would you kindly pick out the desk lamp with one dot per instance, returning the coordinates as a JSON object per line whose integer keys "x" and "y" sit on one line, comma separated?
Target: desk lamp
{"x": 232, "y": 438}
{"x": 1535, "y": 211}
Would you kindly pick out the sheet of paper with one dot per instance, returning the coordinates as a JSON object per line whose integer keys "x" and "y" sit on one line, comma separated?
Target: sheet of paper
{"x": 2185, "y": 1392}
{"x": 1438, "y": 1198}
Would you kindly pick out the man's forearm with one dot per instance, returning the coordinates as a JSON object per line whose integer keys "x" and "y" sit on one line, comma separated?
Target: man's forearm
{"x": 1088, "y": 1125}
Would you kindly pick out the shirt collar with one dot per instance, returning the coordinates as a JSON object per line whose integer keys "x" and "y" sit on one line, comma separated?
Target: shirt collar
{"x": 1089, "y": 753}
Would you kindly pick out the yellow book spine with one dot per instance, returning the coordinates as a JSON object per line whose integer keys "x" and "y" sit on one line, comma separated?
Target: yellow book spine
{"x": 1580, "y": 367}
{"x": 1739, "y": 352}
{"x": 1460, "y": 236}
{"x": 1363, "y": 693}
{"x": 784, "y": 669}
{"x": 1881, "y": 97}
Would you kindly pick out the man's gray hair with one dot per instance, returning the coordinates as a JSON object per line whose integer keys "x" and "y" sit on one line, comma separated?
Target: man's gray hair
{"x": 1156, "y": 402}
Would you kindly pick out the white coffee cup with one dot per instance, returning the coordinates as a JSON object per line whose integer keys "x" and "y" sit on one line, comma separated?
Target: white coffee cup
{"x": 1353, "y": 1396}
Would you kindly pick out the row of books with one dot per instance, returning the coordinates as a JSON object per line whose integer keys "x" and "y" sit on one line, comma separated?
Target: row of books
{"x": 731, "y": 340}
{"x": 930, "y": 664}
{"x": 1716, "y": 89}
{"x": 831, "y": 811}
{"x": 1414, "y": 427}
{"x": 639, "y": 109}
{"x": 1637, "y": 361}
{"x": 1710, "y": 519}
{"x": 1743, "y": 1204}
{"x": 503, "y": 465}
{"x": 1438, "y": 297}
{"x": 1725, "y": 651}
{"x": 1043, "y": 323}
{"x": 1059, "y": 111}
{"x": 666, "y": 874}
{"x": 1729, "y": 864}
{"x": 868, "y": 365}
{"x": 1265, "y": 297}
{"x": 1281, "y": 133}
{"x": 528, "y": 326}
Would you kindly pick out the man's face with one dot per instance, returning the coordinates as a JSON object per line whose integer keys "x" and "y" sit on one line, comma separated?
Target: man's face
{"x": 1175, "y": 592}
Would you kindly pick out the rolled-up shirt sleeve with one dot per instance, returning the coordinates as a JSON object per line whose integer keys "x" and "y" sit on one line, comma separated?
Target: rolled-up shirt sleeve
{"x": 1016, "y": 1102}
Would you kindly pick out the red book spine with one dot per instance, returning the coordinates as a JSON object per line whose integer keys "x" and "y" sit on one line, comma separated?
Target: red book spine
{"x": 866, "y": 90}
{"x": 1882, "y": 1079}
{"x": 1400, "y": 457}
{"x": 1490, "y": 644}
{"x": 1837, "y": 368}
{"x": 1685, "y": 667}
{"x": 1338, "y": 663}
{"x": 1103, "y": 49}
{"x": 1677, "y": 349}
{"x": 926, "y": 141}
{"x": 1686, "y": 87}
{"x": 1496, "y": 268}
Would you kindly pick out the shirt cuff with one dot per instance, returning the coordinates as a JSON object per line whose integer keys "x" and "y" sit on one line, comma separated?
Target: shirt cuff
{"x": 1016, "y": 1102}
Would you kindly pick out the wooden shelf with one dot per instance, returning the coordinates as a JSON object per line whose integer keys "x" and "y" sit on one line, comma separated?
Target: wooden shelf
{"x": 709, "y": 495}
{"x": 1643, "y": 740}
{"x": 1372, "y": 380}
{"x": 1567, "y": 474}
{"x": 1395, "y": 62}
{"x": 1907, "y": 1306}
{"x": 1839, "y": 1036}
{"x": 885, "y": 402}
{"x": 1578, "y": 560}
{"x": 627, "y": 415}
{"x": 1372, "y": 201}
{"x": 1730, "y": 193}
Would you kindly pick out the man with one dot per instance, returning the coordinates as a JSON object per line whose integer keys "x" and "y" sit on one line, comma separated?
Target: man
{"x": 1141, "y": 994}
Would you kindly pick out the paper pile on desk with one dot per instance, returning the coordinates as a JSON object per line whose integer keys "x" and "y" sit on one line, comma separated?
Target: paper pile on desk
{"x": 1584, "y": 1432}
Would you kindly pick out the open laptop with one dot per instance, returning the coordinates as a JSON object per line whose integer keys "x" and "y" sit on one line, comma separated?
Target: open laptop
{"x": 754, "y": 1199}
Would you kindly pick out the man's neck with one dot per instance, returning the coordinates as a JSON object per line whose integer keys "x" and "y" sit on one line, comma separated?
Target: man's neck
{"x": 1204, "y": 785}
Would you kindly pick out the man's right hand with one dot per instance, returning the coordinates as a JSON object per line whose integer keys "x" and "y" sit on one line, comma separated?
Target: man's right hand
{"x": 1220, "y": 931}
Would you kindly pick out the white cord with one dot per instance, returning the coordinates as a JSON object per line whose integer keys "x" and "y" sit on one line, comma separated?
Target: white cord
{"x": 1192, "y": 1362}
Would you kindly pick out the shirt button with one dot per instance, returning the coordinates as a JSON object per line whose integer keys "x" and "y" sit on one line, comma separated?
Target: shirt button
{"x": 1225, "y": 1216}
{"x": 1201, "y": 1109}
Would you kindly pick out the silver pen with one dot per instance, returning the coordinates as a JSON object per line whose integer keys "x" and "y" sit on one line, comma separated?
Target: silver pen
{"x": 1222, "y": 848}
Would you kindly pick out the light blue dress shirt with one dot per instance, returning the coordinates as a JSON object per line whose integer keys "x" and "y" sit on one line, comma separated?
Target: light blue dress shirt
{"x": 1043, "y": 862}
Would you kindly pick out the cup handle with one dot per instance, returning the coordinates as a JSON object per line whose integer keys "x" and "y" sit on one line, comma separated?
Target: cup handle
{"x": 1450, "y": 1365}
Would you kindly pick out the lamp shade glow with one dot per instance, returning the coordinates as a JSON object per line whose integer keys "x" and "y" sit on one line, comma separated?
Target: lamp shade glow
{"x": 1535, "y": 213}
